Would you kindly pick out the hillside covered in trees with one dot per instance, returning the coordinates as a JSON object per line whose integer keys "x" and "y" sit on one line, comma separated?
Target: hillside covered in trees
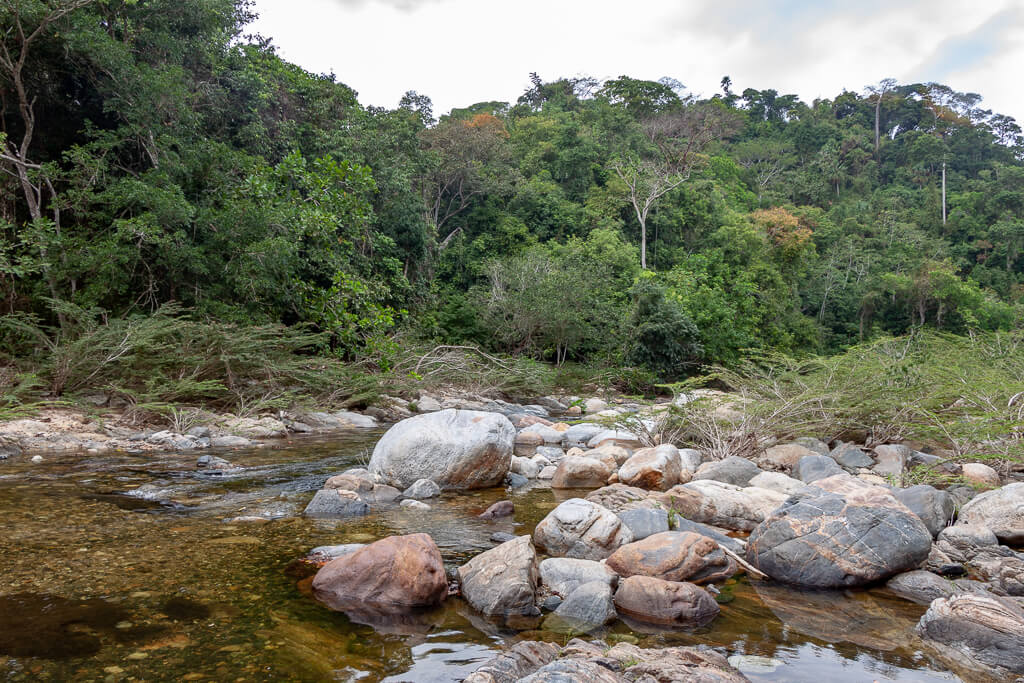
{"x": 154, "y": 155}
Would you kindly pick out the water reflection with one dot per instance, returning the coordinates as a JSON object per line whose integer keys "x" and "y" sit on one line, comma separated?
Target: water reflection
{"x": 133, "y": 565}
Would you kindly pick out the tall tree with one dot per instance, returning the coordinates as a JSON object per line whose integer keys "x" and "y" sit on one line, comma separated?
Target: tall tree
{"x": 674, "y": 146}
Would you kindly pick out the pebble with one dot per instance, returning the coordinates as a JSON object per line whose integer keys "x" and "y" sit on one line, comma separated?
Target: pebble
{"x": 37, "y": 458}
{"x": 138, "y": 655}
{"x": 414, "y": 504}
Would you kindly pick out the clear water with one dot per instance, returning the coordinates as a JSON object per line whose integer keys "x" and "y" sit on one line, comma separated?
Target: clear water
{"x": 123, "y": 567}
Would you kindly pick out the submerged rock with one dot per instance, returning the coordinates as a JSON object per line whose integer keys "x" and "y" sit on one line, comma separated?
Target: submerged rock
{"x": 336, "y": 503}
{"x": 587, "y": 608}
{"x": 656, "y": 601}
{"x": 422, "y": 489}
{"x": 503, "y": 508}
{"x": 393, "y": 575}
{"x": 519, "y": 661}
{"x": 457, "y": 449}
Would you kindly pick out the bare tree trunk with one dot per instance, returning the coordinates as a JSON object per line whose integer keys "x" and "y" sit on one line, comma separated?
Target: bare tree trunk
{"x": 878, "y": 114}
{"x": 943, "y": 192}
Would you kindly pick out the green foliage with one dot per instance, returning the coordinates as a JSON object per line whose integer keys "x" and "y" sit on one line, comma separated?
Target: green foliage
{"x": 661, "y": 337}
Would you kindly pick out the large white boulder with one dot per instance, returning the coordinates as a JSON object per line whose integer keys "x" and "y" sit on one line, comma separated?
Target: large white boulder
{"x": 457, "y": 449}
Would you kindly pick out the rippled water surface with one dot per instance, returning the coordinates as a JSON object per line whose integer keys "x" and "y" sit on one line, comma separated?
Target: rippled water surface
{"x": 125, "y": 567}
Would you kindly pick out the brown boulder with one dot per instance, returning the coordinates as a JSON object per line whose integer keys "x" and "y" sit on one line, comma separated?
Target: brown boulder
{"x": 657, "y": 601}
{"x": 393, "y": 575}
{"x": 503, "y": 508}
{"x": 581, "y": 472}
{"x": 656, "y": 468}
{"x": 674, "y": 556}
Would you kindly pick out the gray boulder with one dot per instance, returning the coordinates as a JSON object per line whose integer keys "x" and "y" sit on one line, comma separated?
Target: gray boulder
{"x": 923, "y": 587}
{"x": 644, "y": 522}
{"x": 336, "y": 503}
{"x": 732, "y": 470}
{"x": 736, "y": 545}
{"x": 934, "y": 507}
{"x": 891, "y": 459}
{"x": 851, "y": 456}
{"x": 587, "y": 608}
{"x": 502, "y": 581}
{"x": 690, "y": 459}
{"x": 720, "y": 504}
{"x": 457, "y": 449}
{"x": 581, "y": 529}
{"x": 963, "y": 542}
{"x": 829, "y": 540}
{"x": 816, "y": 445}
{"x": 984, "y": 632}
{"x": 422, "y": 489}
{"x": 563, "y": 575}
{"x": 1001, "y": 510}
{"x": 580, "y": 434}
{"x": 510, "y": 665}
{"x": 524, "y": 466}
{"x": 811, "y": 468}
{"x": 777, "y": 481}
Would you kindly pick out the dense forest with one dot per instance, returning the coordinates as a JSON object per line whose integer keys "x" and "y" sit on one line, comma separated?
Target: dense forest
{"x": 155, "y": 155}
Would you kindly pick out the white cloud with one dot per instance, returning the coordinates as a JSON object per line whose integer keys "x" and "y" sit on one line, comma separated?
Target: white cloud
{"x": 464, "y": 51}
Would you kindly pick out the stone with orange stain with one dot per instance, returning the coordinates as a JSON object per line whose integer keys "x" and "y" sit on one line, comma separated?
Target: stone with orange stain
{"x": 394, "y": 575}
{"x": 674, "y": 556}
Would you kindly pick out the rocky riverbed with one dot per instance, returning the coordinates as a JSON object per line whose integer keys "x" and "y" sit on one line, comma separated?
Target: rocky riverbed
{"x": 144, "y": 566}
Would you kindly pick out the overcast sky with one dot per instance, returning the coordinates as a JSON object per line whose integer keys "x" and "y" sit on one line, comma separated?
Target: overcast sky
{"x": 463, "y": 51}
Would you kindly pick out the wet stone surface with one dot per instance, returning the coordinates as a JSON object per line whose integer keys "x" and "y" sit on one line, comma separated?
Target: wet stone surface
{"x": 141, "y": 567}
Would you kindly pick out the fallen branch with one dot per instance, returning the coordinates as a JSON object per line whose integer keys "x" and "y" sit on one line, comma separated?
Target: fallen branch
{"x": 750, "y": 569}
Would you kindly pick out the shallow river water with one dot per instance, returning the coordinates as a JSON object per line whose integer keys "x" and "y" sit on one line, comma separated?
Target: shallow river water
{"x": 122, "y": 567}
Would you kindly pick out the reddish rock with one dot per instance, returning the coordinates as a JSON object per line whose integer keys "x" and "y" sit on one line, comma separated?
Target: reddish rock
{"x": 657, "y": 601}
{"x": 394, "y": 575}
{"x": 674, "y": 556}
{"x": 581, "y": 472}
{"x": 503, "y": 508}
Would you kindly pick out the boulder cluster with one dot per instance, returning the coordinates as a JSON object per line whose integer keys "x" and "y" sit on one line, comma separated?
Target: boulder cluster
{"x": 653, "y": 529}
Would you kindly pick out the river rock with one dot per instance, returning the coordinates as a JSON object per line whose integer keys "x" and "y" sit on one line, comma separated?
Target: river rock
{"x": 1002, "y": 569}
{"x": 985, "y": 631}
{"x": 336, "y": 503}
{"x": 581, "y": 529}
{"x": 587, "y": 608}
{"x": 644, "y": 522}
{"x": 619, "y": 497}
{"x": 212, "y": 462}
{"x": 674, "y": 556}
{"x": 594, "y": 405}
{"x": 963, "y": 542}
{"x": 547, "y": 473}
{"x": 829, "y": 540}
{"x": 524, "y": 466}
{"x": 784, "y": 457}
{"x": 502, "y": 508}
{"x": 422, "y": 489}
{"x": 412, "y": 504}
{"x": 603, "y": 455}
{"x": 563, "y": 575}
{"x": 922, "y": 587}
{"x": 980, "y": 474}
{"x": 391, "y": 576}
{"x": 502, "y": 581}
{"x": 851, "y": 456}
{"x": 580, "y": 434}
{"x": 737, "y": 545}
{"x": 615, "y": 437}
{"x": 326, "y": 553}
{"x": 457, "y": 449}
{"x": 230, "y": 441}
{"x": 690, "y": 459}
{"x": 510, "y": 665}
{"x": 1001, "y": 510}
{"x": 719, "y": 504}
{"x": 552, "y": 453}
{"x": 732, "y": 470}
{"x": 656, "y": 468}
{"x": 814, "y": 444}
{"x": 777, "y": 481}
{"x": 811, "y": 468}
{"x": 656, "y": 601}
{"x": 515, "y": 481}
{"x": 580, "y": 472}
{"x": 549, "y": 435}
{"x": 891, "y": 459}
{"x": 934, "y": 507}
